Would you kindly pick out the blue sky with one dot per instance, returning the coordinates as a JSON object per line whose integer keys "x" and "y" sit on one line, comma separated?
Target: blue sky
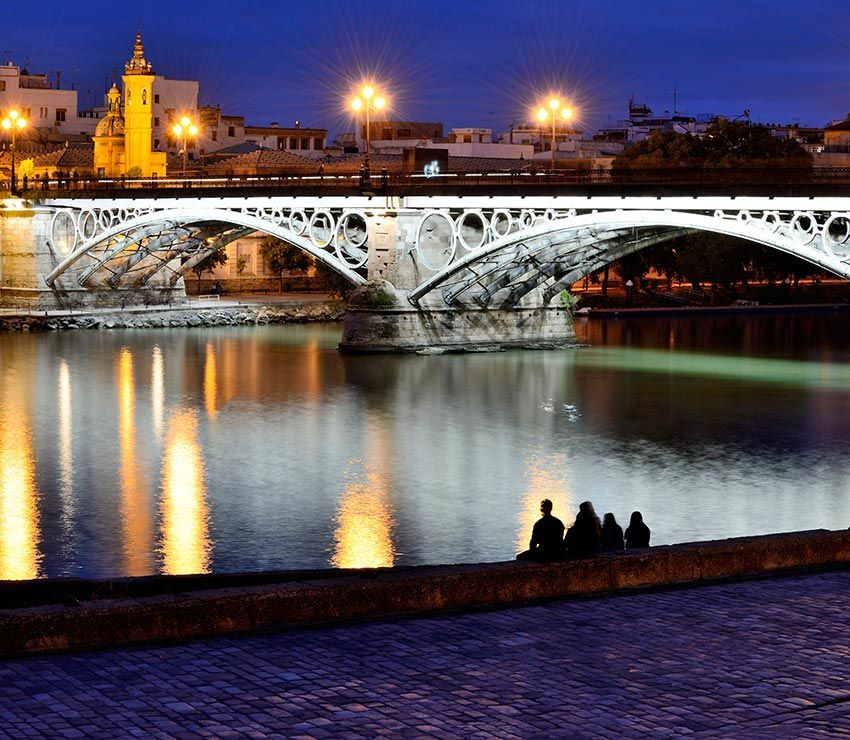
{"x": 461, "y": 62}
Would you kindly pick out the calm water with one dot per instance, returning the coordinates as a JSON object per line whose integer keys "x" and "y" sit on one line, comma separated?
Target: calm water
{"x": 238, "y": 449}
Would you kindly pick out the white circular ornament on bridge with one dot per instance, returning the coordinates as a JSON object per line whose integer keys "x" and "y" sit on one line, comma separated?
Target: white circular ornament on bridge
{"x": 353, "y": 228}
{"x": 501, "y": 223}
{"x": 63, "y": 232}
{"x": 549, "y": 214}
{"x": 771, "y": 220}
{"x": 298, "y": 222}
{"x": 744, "y": 217}
{"x": 87, "y": 224}
{"x": 527, "y": 219}
{"x": 322, "y": 220}
{"x": 278, "y": 217}
{"x": 836, "y": 234}
{"x": 432, "y": 254}
{"x": 804, "y": 227}
{"x": 106, "y": 219}
{"x": 482, "y": 229}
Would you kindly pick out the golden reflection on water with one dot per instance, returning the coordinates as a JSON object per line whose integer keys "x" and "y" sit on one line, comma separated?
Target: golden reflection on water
{"x": 19, "y": 521}
{"x": 157, "y": 390}
{"x": 66, "y": 452}
{"x": 185, "y": 544}
{"x": 136, "y": 513}
{"x": 546, "y": 479}
{"x": 363, "y": 537}
{"x": 210, "y": 382}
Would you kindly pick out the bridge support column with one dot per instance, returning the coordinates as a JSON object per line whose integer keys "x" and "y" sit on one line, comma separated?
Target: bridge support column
{"x": 379, "y": 318}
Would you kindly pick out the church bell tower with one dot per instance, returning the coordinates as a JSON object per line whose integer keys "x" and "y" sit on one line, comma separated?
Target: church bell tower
{"x": 138, "y": 80}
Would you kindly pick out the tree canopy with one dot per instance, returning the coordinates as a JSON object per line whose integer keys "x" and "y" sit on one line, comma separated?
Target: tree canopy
{"x": 725, "y": 145}
{"x": 280, "y": 256}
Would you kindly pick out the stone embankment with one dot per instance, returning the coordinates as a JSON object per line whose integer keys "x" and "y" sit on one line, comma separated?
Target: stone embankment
{"x": 61, "y": 614}
{"x": 177, "y": 317}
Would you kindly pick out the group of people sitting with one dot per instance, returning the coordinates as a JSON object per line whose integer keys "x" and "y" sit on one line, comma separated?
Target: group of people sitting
{"x": 585, "y": 538}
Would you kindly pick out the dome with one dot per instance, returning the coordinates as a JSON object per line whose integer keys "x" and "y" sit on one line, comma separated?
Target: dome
{"x": 110, "y": 126}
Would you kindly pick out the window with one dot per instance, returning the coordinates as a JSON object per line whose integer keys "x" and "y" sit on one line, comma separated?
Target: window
{"x": 156, "y": 144}
{"x": 43, "y": 112}
{"x": 2, "y": 85}
{"x": 305, "y": 143}
{"x": 387, "y": 134}
{"x": 156, "y": 98}
{"x": 156, "y": 122}
{"x": 318, "y": 143}
{"x": 404, "y": 133}
{"x": 231, "y": 130}
{"x": 214, "y": 136}
{"x": 144, "y": 96}
{"x": 293, "y": 142}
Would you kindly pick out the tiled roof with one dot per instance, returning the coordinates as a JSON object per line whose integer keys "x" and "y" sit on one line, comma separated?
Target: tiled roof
{"x": 67, "y": 158}
{"x": 267, "y": 161}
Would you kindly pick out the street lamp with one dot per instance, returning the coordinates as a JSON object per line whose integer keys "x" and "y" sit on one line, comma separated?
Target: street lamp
{"x": 13, "y": 122}
{"x": 366, "y": 101}
{"x": 185, "y": 129}
{"x": 554, "y": 112}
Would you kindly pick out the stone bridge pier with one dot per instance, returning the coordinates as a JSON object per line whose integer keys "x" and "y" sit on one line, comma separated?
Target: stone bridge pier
{"x": 405, "y": 249}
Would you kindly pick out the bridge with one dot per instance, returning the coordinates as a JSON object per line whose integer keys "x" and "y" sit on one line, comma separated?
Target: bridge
{"x": 447, "y": 266}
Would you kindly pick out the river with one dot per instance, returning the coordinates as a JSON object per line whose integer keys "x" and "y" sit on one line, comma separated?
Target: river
{"x": 228, "y": 449}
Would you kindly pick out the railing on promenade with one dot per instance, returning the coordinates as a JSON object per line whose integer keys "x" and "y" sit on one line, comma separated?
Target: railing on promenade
{"x": 409, "y": 183}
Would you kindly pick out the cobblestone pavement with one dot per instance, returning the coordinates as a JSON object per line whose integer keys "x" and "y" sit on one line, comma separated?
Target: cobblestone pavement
{"x": 767, "y": 658}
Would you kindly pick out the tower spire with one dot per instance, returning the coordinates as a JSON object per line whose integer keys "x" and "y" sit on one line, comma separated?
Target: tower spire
{"x": 138, "y": 65}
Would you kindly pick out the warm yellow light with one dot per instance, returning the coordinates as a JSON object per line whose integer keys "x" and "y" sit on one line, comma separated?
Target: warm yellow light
{"x": 185, "y": 121}
{"x": 368, "y": 92}
{"x": 21, "y": 123}
{"x": 7, "y": 124}
{"x": 356, "y": 104}
{"x": 542, "y": 115}
{"x": 554, "y": 103}
{"x": 178, "y": 129}
{"x": 14, "y": 115}
{"x": 566, "y": 113}
{"x": 379, "y": 103}
{"x": 193, "y": 130}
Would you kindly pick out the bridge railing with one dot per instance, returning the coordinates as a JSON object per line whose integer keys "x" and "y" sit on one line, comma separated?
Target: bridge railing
{"x": 401, "y": 183}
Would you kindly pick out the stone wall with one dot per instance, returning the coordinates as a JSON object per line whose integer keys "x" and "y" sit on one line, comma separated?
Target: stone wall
{"x": 74, "y": 614}
{"x": 181, "y": 317}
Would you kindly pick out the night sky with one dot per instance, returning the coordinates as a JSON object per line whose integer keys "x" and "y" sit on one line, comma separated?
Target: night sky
{"x": 460, "y": 62}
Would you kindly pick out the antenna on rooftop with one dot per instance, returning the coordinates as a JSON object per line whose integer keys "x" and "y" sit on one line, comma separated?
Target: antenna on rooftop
{"x": 675, "y": 98}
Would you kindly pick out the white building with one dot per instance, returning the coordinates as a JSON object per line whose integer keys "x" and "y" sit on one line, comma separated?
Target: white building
{"x": 46, "y": 107}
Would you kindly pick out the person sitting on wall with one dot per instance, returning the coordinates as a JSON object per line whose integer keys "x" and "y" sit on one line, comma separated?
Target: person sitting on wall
{"x": 547, "y": 537}
{"x": 637, "y": 533}
{"x": 582, "y": 539}
{"x": 612, "y": 534}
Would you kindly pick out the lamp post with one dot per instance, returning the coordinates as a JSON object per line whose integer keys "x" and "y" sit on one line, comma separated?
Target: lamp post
{"x": 13, "y": 122}
{"x": 555, "y": 111}
{"x": 366, "y": 101}
{"x": 185, "y": 129}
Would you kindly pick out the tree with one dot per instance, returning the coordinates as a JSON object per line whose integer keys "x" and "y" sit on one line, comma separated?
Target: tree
{"x": 332, "y": 281}
{"x": 279, "y": 256}
{"x": 208, "y": 264}
{"x": 725, "y": 145}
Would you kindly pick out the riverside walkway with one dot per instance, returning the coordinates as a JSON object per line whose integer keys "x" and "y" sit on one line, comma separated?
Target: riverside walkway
{"x": 763, "y": 658}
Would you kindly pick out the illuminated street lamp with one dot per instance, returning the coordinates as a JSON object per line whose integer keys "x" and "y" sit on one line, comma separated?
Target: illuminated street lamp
{"x": 554, "y": 112}
{"x": 185, "y": 129}
{"x": 13, "y": 122}
{"x": 366, "y": 101}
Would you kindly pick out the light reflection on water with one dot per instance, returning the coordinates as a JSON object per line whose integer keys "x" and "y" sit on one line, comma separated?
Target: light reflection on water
{"x": 125, "y": 453}
{"x": 185, "y": 544}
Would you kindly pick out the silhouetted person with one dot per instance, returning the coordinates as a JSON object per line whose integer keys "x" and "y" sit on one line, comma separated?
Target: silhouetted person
{"x": 612, "y": 534}
{"x": 583, "y": 537}
{"x": 637, "y": 533}
{"x": 547, "y": 537}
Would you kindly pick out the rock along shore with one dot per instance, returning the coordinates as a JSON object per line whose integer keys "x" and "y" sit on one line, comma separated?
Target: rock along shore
{"x": 176, "y": 317}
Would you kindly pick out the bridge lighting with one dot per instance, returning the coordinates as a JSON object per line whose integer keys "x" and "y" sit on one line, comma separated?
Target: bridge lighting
{"x": 185, "y": 129}
{"x": 12, "y": 123}
{"x": 367, "y": 101}
{"x": 557, "y": 111}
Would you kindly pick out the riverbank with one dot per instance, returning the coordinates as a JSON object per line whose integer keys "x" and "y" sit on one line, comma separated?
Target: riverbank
{"x": 62, "y": 614}
{"x": 196, "y": 313}
{"x": 744, "y": 310}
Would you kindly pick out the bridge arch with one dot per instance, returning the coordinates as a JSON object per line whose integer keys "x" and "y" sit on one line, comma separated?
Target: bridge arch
{"x": 142, "y": 243}
{"x": 551, "y": 255}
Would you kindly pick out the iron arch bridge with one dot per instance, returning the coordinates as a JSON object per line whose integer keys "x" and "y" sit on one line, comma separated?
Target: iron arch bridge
{"x": 487, "y": 251}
